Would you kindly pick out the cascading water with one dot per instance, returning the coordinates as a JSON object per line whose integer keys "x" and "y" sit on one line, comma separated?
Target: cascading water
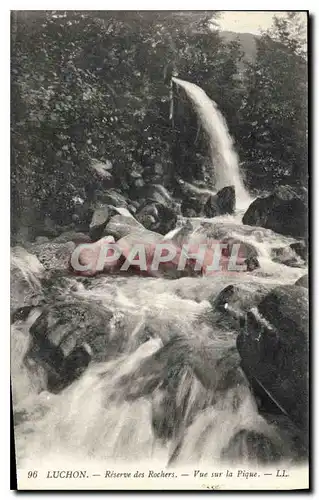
{"x": 223, "y": 156}
{"x": 135, "y": 407}
{"x": 169, "y": 390}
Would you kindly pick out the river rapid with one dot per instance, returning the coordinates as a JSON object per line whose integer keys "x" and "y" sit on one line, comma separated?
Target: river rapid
{"x": 134, "y": 407}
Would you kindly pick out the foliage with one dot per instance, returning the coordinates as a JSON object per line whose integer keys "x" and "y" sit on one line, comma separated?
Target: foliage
{"x": 274, "y": 111}
{"x": 96, "y": 86}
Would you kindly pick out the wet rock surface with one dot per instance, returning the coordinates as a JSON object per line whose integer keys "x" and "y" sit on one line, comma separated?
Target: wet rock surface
{"x": 198, "y": 377}
{"x": 66, "y": 337}
{"x": 287, "y": 256}
{"x": 284, "y": 211}
{"x": 222, "y": 203}
{"x": 200, "y": 202}
{"x": 234, "y": 302}
{"x": 274, "y": 348}
{"x": 158, "y": 217}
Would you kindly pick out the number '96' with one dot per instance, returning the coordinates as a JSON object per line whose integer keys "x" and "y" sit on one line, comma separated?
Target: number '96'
{"x": 32, "y": 474}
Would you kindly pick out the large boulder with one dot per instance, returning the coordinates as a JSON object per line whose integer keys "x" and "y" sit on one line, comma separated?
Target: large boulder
{"x": 193, "y": 385}
{"x": 70, "y": 333}
{"x": 157, "y": 210}
{"x": 202, "y": 202}
{"x": 121, "y": 225}
{"x": 107, "y": 204}
{"x": 108, "y": 220}
{"x": 234, "y": 250}
{"x": 223, "y": 202}
{"x": 158, "y": 217}
{"x": 287, "y": 256}
{"x": 287, "y": 309}
{"x": 66, "y": 336}
{"x": 284, "y": 211}
{"x": 235, "y": 300}
{"x": 274, "y": 349}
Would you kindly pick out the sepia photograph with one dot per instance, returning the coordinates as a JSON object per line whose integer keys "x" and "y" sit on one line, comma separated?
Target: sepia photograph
{"x": 159, "y": 250}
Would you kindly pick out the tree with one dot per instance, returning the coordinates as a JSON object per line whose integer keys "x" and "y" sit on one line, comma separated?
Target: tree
{"x": 274, "y": 111}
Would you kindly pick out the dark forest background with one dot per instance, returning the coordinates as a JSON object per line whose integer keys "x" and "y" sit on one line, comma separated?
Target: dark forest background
{"x": 92, "y": 90}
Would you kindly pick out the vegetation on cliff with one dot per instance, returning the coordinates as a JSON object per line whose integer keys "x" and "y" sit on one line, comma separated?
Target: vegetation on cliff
{"x": 94, "y": 88}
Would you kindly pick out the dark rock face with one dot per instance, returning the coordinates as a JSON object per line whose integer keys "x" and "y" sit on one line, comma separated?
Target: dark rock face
{"x": 301, "y": 249}
{"x": 201, "y": 202}
{"x": 303, "y": 281}
{"x": 274, "y": 350}
{"x": 287, "y": 308}
{"x": 234, "y": 301}
{"x": 286, "y": 256}
{"x": 66, "y": 336}
{"x": 246, "y": 252}
{"x": 284, "y": 211}
{"x": 252, "y": 263}
{"x": 223, "y": 202}
{"x": 157, "y": 210}
{"x": 158, "y": 217}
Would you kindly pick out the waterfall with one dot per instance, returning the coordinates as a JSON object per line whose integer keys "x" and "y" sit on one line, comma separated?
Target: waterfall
{"x": 223, "y": 155}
